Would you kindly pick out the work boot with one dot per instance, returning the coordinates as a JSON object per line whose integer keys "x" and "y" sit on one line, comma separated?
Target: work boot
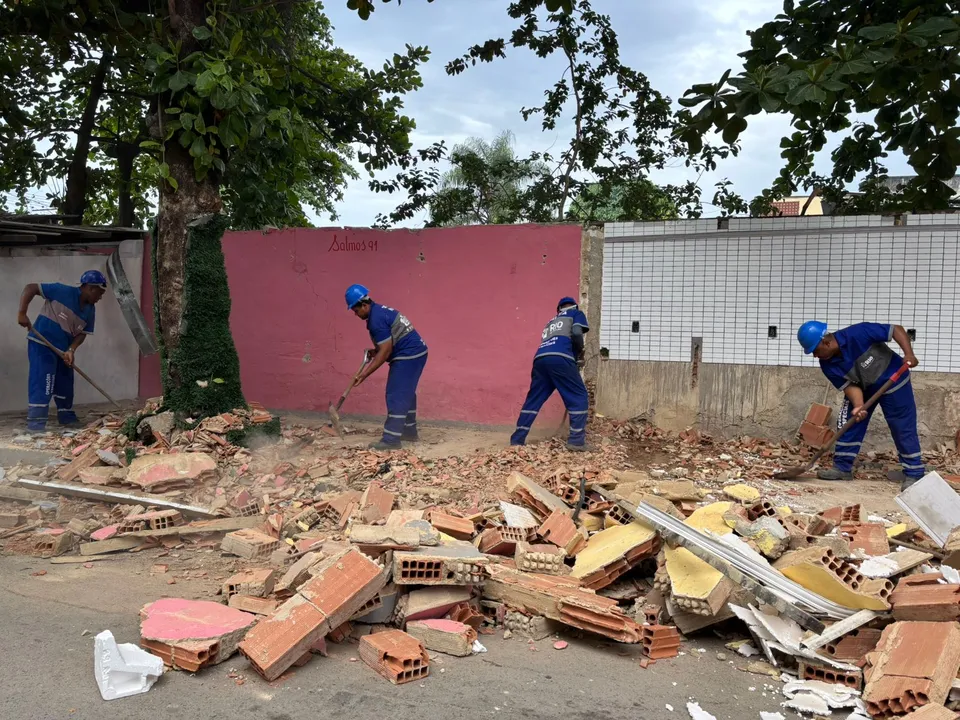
{"x": 900, "y": 477}
{"x": 384, "y": 447}
{"x": 415, "y": 437}
{"x": 834, "y": 474}
{"x": 908, "y": 482}
{"x": 579, "y": 448}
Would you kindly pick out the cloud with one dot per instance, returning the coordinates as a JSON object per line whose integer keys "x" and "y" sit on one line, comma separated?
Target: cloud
{"x": 676, "y": 44}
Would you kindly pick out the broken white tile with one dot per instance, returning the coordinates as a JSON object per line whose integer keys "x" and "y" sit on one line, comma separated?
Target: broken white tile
{"x": 516, "y": 516}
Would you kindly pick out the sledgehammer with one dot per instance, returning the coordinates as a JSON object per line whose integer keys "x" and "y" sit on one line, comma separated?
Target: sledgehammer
{"x": 334, "y": 410}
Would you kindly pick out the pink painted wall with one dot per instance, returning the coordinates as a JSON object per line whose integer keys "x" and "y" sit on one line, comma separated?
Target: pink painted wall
{"x": 479, "y": 296}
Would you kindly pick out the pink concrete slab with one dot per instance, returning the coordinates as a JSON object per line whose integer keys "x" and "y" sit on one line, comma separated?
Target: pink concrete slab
{"x": 178, "y": 619}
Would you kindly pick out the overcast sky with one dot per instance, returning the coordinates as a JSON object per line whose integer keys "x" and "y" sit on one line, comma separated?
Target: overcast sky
{"x": 676, "y": 44}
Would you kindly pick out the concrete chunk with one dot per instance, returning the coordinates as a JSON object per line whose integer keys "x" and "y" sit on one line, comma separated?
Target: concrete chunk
{"x": 446, "y": 636}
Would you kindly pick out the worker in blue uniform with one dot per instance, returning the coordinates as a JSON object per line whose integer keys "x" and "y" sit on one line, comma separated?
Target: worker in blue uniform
{"x": 400, "y": 345}
{"x": 556, "y": 367}
{"x": 66, "y": 319}
{"x": 857, "y": 360}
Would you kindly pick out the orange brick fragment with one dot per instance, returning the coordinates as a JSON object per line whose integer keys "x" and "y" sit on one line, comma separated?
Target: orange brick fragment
{"x": 395, "y": 655}
{"x": 342, "y": 585}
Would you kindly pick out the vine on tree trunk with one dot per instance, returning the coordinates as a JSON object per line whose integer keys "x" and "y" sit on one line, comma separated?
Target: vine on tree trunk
{"x": 201, "y": 375}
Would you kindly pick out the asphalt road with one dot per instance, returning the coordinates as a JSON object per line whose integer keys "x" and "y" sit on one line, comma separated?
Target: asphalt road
{"x": 46, "y": 667}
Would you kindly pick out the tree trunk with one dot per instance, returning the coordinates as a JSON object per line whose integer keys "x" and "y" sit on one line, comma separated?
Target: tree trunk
{"x": 201, "y": 373}
{"x": 75, "y": 202}
{"x": 126, "y": 154}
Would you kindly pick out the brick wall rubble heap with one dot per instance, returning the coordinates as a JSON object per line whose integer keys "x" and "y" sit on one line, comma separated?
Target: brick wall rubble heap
{"x": 411, "y": 570}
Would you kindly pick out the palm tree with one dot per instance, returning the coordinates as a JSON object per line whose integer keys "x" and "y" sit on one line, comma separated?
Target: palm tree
{"x": 485, "y": 185}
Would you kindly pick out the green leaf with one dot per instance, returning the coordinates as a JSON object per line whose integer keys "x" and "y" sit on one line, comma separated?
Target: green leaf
{"x": 149, "y": 144}
{"x": 205, "y": 84}
{"x": 198, "y": 147}
{"x": 735, "y": 126}
{"x": 218, "y": 68}
{"x": 172, "y": 110}
{"x": 235, "y": 42}
{"x": 219, "y": 381}
{"x": 173, "y": 182}
{"x": 202, "y": 33}
{"x": 879, "y": 32}
{"x": 768, "y": 102}
{"x": 179, "y": 81}
{"x": 164, "y": 170}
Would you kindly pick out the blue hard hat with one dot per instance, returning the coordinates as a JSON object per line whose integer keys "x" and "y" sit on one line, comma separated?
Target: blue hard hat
{"x": 93, "y": 277}
{"x": 354, "y": 294}
{"x": 810, "y": 334}
{"x": 565, "y": 301}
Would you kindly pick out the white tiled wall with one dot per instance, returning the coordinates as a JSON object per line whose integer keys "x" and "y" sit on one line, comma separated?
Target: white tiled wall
{"x": 687, "y": 279}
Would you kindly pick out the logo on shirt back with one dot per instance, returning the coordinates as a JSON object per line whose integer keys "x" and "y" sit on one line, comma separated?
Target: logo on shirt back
{"x": 867, "y": 363}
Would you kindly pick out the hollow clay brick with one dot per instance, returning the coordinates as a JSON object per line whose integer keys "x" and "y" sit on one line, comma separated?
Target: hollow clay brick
{"x": 395, "y": 655}
{"x": 914, "y": 664}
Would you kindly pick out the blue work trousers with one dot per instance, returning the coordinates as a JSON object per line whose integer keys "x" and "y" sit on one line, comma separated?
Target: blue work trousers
{"x": 402, "y": 381}
{"x": 49, "y": 378}
{"x": 553, "y": 372}
{"x": 900, "y": 411}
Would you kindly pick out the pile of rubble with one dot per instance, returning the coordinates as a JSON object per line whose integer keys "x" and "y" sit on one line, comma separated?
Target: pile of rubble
{"x": 410, "y": 558}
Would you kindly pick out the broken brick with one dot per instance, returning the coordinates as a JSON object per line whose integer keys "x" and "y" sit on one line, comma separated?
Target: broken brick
{"x": 249, "y": 544}
{"x": 375, "y": 503}
{"x": 819, "y": 414}
{"x": 459, "y": 528}
{"x": 824, "y": 673}
{"x": 446, "y": 636}
{"x": 341, "y": 633}
{"x": 923, "y": 597}
{"x": 341, "y": 586}
{"x": 852, "y": 646}
{"x": 660, "y": 641}
{"x": 459, "y": 564}
{"x": 467, "y": 614}
{"x": 558, "y": 529}
{"x": 191, "y": 634}
{"x": 431, "y": 602}
{"x": 395, "y": 655}
{"x": 819, "y": 570}
{"x": 914, "y": 664}
{"x": 871, "y": 538}
{"x": 257, "y": 582}
{"x": 255, "y": 605}
{"x": 170, "y": 471}
{"x": 543, "y": 559}
{"x": 538, "y": 499}
{"x": 384, "y": 537}
{"x": 612, "y": 552}
{"x": 562, "y": 599}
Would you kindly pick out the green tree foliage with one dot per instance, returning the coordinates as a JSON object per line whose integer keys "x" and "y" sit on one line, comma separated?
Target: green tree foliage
{"x": 620, "y": 126}
{"x": 486, "y": 184}
{"x": 823, "y": 62}
{"x": 639, "y": 200}
{"x": 241, "y": 95}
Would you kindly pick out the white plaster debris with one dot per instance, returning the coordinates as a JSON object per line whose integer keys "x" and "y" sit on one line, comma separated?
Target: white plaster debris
{"x": 123, "y": 670}
{"x": 878, "y": 567}
{"x": 698, "y": 713}
{"x": 820, "y": 698}
{"x": 771, "y": 716}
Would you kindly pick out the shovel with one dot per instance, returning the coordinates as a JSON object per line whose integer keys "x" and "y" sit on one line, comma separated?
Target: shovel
{"x": 794, "y": 472}
{"x": 334, "y": 410}
{"x": 80, "y": 372}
